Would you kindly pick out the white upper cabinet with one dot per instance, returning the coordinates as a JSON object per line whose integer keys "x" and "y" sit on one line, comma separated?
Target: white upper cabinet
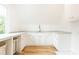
{"x": 71, "y": 12}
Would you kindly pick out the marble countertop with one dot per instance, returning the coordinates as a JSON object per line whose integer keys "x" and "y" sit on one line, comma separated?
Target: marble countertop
{"x": 8, "y": 36}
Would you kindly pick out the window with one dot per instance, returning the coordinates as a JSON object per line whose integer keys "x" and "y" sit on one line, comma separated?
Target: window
{"x": 2, "y": 19}
{"x": 1, "y": 24}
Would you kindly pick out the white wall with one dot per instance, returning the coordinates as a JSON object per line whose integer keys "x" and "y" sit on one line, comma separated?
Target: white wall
{"x": 48, "y": 16}
{"x": 28, "y": 17}
{"x": 40, "y": 13}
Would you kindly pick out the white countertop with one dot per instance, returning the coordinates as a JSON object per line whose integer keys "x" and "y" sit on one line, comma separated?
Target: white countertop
{"x": 7, "y": 36}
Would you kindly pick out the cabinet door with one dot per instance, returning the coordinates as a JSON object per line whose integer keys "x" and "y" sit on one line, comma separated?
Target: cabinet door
{"x": 55, "y": 39}
{"x": 72, "y": 12}
{"x": 64, "y": 42}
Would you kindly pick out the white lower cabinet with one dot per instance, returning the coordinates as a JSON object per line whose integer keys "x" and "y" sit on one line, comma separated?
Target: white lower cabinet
{"x": 16, "y": 44}
{"x": 64, "y": 41}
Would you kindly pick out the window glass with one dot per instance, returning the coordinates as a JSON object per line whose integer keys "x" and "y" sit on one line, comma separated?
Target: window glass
{"x": 2, "y": 19}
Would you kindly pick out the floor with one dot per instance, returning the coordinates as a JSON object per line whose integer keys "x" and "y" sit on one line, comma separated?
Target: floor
{"x": 39, "y": 50}
{"x": 43, "y": 50}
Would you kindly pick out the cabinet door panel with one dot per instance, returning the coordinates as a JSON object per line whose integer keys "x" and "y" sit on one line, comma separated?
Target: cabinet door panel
{"x": 64, "y": 42}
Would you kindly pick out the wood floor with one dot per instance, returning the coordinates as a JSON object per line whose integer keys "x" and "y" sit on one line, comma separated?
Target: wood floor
{"x": 39, "y": 50}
